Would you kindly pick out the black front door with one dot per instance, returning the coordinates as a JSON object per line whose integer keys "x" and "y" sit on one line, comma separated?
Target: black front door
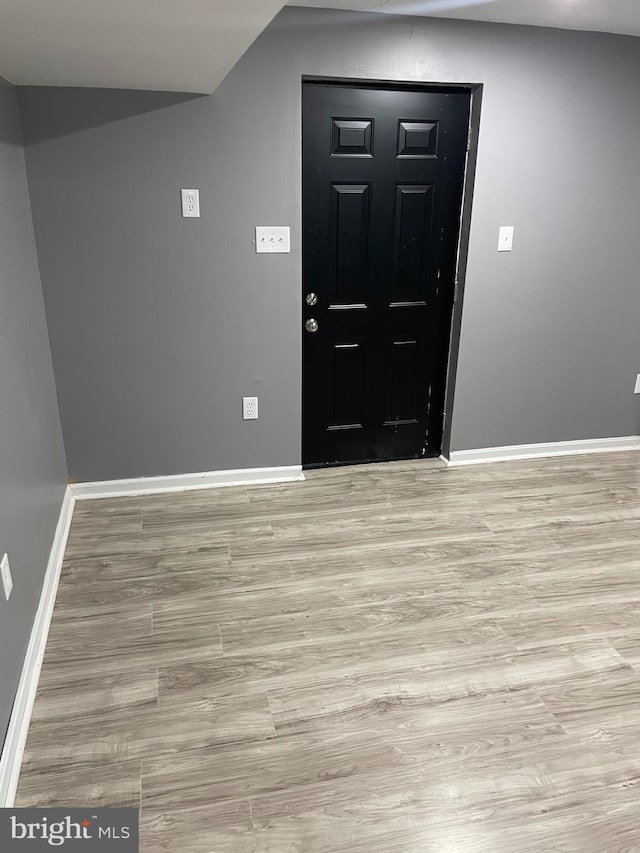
{"x": 383, "y": 171}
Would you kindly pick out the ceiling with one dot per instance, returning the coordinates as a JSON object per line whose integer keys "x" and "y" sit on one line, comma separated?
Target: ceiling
{"x": 608, "y": 16}
{"x": 190, "y": 45}
{"x": 171, "y": 45}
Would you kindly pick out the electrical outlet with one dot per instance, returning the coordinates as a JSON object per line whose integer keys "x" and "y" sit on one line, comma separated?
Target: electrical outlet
{"x": 250, "y": 408}
{"x": 190, "y": 203}
{"x": 7, "y": 581}
{"x": 637, "y": 388}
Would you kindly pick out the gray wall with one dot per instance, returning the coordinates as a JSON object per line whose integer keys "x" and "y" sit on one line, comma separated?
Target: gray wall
{"x": 160, "y": 325}
{"x": 32, "y": 463}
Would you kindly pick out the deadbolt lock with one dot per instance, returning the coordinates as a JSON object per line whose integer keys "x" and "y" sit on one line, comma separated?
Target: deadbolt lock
{"x": 311, "y": 298}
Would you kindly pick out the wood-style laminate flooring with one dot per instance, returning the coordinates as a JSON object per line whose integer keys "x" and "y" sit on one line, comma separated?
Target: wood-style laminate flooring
{"x": 395, "y": 658}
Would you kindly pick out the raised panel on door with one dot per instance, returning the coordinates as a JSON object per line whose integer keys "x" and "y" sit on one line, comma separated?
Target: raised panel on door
{"x": 346, "y": 383}
{"x": 351, "y": 137}
{"x": 350, "y": 229}
{"x": 411, "y": 245}
{"x": 404, "y": 391}
{"x": 418, "y": 139}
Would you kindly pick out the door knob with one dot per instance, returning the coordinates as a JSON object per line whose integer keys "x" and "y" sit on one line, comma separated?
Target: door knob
{"x": 311, "y": 325}
{"x": 311, "y": 298}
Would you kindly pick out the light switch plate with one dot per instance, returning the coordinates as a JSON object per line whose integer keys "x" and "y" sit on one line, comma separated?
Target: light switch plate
{"x": 273, "y": 239}
{"x": 190, "y": 203}
{"x": 7, "y": 581}
{"x": 637, "y": 389}
{"x": 505, "y": 238}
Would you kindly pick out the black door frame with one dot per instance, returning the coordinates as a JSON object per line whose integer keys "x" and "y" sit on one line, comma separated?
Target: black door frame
{"x": 464, "y": 227}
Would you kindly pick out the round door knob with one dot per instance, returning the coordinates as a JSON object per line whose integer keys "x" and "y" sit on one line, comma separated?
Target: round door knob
{"x": 311, "y": 325}
{"x": 311, "y": 298}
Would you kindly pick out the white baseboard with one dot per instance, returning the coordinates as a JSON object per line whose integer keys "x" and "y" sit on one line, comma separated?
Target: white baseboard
{"x": 13, "y": 750}
{"x": 540, "y": 451}
{"x": 187, "y": 482}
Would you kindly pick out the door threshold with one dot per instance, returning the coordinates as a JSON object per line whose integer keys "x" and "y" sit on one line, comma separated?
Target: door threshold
{"x": 429, "y": 454}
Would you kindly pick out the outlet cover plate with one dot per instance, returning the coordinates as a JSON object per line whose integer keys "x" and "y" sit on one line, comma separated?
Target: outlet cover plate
{"x": 190, "y": 203}
{"x": 274, "y": 239}
{"x": 250, "y": 408}
{"x": 7, "y": 581}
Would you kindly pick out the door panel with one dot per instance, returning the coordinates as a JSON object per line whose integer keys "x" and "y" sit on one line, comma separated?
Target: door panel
{"x": 382, "y": 185}
{"x": 414, "y": 206}
{"x": 403, "y": 390}
{"x": 417, "y": 139}
{"x": 346, "y": 387}
{"x": 350, "y": 217}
